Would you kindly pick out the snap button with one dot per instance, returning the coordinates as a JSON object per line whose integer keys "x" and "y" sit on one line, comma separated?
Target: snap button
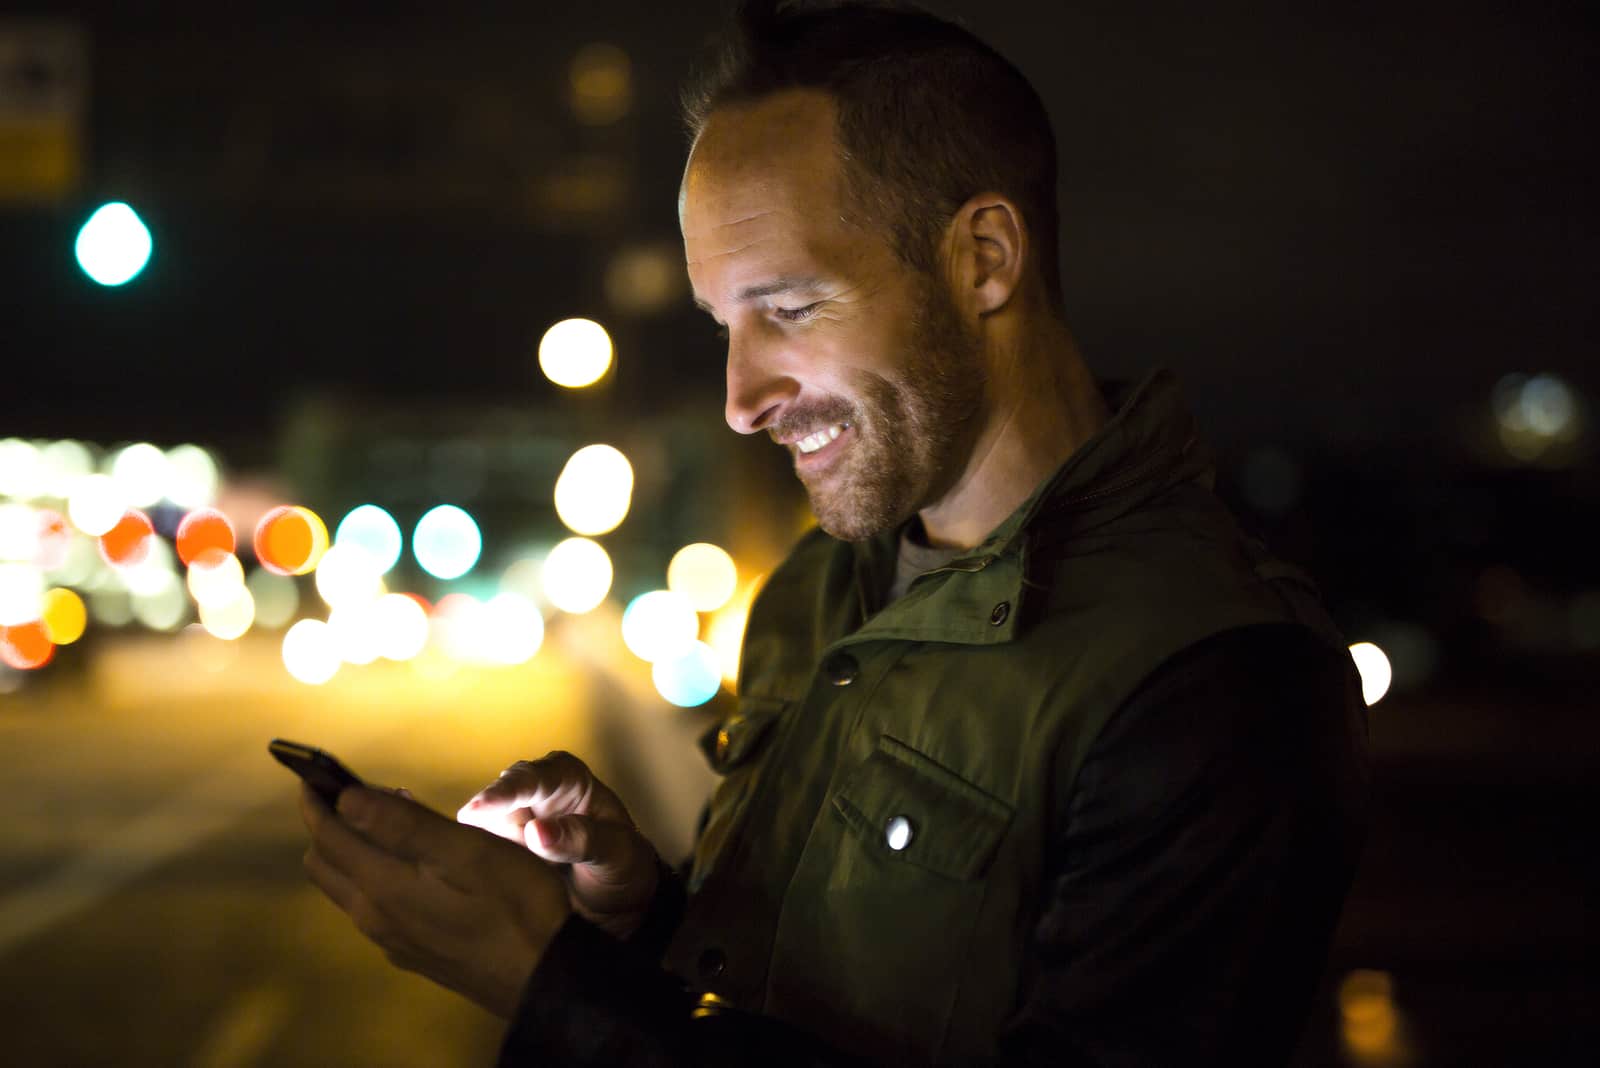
{"x": 897, "y": 833}
{"x": 1001, "y": 611}
{"x": 722, "y": 743}
{"x": 842, "y": 669}
{"x": 713, "y": 962}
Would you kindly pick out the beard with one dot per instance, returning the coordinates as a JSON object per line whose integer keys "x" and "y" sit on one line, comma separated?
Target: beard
{"x": 913, "y": 431}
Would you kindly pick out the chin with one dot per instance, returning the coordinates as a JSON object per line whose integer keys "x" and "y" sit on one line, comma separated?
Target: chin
{"x": 856, "y": 521}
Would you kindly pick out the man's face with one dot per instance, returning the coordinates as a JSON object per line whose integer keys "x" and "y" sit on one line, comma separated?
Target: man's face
{"x": 856, "y": 364}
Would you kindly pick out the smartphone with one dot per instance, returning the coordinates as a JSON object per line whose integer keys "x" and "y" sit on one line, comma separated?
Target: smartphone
{"x": 324, "y": 773}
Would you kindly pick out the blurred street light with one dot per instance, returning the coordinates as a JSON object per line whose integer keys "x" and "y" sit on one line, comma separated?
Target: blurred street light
{"x": 575, "y": 353}
{"x": 114, "y": 245}
{"x": 594, "y": 490}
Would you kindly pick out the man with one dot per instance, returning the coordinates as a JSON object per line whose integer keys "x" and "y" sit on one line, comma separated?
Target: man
{"x": 1037, "y": 759}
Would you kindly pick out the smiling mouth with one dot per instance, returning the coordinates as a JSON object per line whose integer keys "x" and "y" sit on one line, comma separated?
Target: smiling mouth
{"x": 817, "y": 449}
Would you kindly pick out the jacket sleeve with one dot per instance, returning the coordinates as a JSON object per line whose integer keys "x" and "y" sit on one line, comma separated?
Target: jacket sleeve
{"x": 1201, "y": 862}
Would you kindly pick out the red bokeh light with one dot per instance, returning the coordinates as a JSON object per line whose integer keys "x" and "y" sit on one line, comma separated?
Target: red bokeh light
{"x": 26, "y": 646}
{"x": 128, "y": 543}
{"x": 202, "y": 529}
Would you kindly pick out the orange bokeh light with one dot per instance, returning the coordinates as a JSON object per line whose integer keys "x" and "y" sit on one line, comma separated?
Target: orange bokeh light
{"x": 26, "y": 646}
{"x": 128, "y": 543}
{"x": 290, "y": 540}
{"x": 55, "y": 538}
{"x": 202, "y": 529}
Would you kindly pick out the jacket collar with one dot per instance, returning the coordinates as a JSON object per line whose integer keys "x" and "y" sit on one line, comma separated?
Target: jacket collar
{"x": 1149, "y": 444}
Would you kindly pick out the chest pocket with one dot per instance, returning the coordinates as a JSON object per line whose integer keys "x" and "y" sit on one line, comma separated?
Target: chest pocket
{"x": 906, "y": 808}
{"x": 734, "y": 748}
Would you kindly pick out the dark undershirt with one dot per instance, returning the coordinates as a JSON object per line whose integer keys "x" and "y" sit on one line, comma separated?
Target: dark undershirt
{"x": 1195, "y": 875}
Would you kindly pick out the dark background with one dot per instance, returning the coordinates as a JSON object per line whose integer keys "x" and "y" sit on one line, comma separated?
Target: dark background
{"x": 1342, "y": 227}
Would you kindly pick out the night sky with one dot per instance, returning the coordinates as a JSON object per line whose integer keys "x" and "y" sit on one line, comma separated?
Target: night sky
{"x": 1341, "y": 226}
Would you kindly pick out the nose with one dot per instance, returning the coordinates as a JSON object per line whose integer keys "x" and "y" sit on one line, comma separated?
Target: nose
{"x": 758, "y": 390}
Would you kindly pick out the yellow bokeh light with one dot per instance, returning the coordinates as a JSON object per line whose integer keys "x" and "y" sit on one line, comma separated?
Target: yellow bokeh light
{"x": 511, "y": 629}
{"x": 577, "y": 575}
{"x": 229, "y": 619}
{"x": 1376, "y": 672}
{"x": 705, "y": 574}
{"x": 594, "y": 490}
{"x": 575, "y": 353}
{"x": 725, "y": 633}
{"x": 601, "y": 84}
{"x": 65, "y": 616}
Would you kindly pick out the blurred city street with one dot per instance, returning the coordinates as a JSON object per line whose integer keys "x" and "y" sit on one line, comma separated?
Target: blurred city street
{"x": 153, "y": 910}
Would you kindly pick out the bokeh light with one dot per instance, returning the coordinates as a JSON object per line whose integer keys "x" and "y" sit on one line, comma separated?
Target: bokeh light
{"x": 277, "y": 598}
{"x": 725, "y": 632}
{"x": 402, "y": 626}
{"x": 373, "y": 531}
{"x": 64, "y": 615}
{"x": 154, "y": 573}
{"x": 594, "y": 490}
{"x": 21, "y": 594}
{"x": 215, "y": 578}
{"x": 446, "y": 542}
{"x": 705, "y": 574}
{"x": 690, "y": 679}
{"x": 114, "y": 245}
{"x": 111, "y": 607}
{"x": 600, "y": 84}
{"x": 290, "y": 540}
{"x": 54, "y": 539}
{"x": 95, "y": 504}
{"x": 310, "y": 653}
{"x": 19, "y": 533}
{"x": 575, "y": 353}
{"x": 23, "y": 474}
{"x": 659, "y": 625}
{"x": 202, "y": 529}
{"x": 142, "y": 472}
{"x": 511, "y": 629}
{"x": 64, "y": 462}
{"x": 127, "y": 544}
{"x": 26, "y": 646}
{"x": 193, "y": 477}
{"x": 348, "y": 576}
{"x": 577, "y": 575}
{"x": 1376, "y": 672}
{"x": 160, "y": 603}
{"x": 355, "y": 627}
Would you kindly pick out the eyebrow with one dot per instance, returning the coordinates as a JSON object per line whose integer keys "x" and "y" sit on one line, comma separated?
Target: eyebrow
{"x": 807, "y": 284}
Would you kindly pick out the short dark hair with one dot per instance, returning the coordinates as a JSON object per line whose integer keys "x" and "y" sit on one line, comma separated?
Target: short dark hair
{"x": 928, "y": 115}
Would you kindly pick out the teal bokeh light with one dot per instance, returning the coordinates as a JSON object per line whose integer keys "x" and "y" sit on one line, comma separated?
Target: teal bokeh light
{"x": 446, "y": 542}
{"x": 691, "y": 679}
{"x": 114, "y": 245}
{"x": 373, "y": 531}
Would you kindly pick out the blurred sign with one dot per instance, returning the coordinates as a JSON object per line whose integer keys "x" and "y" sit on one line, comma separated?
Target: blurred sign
{"x": 44, "y": 88}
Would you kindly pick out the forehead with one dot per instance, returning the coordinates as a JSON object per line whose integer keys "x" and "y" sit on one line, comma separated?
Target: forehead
{"x": 764, "y": 180}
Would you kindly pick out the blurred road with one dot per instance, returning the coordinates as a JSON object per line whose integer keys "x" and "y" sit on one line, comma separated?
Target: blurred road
{"x": 153, "y": 910}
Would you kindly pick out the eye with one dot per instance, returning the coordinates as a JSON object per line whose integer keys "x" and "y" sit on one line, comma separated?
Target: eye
{"x": 797, "y": 315}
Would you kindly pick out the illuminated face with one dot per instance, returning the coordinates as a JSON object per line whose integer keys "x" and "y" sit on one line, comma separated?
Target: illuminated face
{"x": 857, "y": 365}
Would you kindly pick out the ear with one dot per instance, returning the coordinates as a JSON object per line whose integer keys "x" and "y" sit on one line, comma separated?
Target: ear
{"x": 989, "y": 245}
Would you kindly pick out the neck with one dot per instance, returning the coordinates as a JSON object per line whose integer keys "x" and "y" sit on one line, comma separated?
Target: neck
{"x": 1043, "y": 405}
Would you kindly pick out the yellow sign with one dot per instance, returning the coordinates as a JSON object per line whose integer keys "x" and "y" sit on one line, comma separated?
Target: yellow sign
{"x": 44, "y": 82}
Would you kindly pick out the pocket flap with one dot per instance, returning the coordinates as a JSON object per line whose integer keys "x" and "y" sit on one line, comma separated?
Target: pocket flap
{"x": 954, "y": 827}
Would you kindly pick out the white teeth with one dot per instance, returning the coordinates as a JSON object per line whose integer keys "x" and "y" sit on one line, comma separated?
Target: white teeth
{"x": 813, "y": 442}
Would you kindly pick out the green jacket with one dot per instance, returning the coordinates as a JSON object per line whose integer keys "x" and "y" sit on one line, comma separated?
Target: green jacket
{"x": 873, "y": 860}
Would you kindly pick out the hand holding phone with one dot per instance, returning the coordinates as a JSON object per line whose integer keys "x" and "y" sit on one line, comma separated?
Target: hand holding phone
{"x": 320, "y": 770}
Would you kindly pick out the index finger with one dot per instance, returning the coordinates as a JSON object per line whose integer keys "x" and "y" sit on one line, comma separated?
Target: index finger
{"x": 555, "y": 785}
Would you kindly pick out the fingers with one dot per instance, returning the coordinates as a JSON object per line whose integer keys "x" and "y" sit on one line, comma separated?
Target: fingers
{"x": 581, "y": 840}
{"x": 397, "y": 827}
{"x": 555, "y": 785}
